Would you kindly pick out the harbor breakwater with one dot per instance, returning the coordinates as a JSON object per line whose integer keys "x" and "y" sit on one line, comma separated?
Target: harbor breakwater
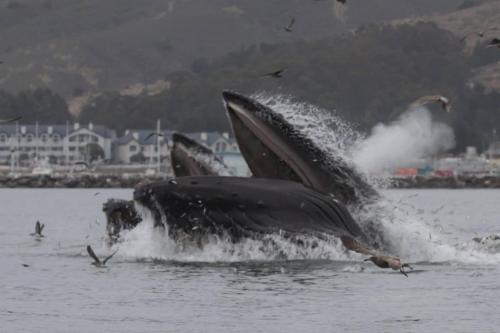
{"x": 81, "y": 181}
{"x": 115, "y": 181}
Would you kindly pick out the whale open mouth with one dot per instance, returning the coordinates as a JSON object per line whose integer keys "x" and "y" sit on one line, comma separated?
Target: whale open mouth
{"x": 267, "y": 151}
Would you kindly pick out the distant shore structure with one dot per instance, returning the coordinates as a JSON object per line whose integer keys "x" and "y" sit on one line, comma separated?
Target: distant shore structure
{"x": 32, "y": 145}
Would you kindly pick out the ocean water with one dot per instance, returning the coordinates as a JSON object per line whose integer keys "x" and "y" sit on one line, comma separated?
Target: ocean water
{"x": 152, "y": 285}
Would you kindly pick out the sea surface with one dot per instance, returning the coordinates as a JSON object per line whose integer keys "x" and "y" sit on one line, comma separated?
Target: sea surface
{"x": 151, "y": 285}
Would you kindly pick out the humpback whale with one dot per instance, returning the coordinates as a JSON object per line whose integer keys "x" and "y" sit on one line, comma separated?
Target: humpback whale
{"x": 273, "y": 148}
{"x": 189, "y": 158}
{"x": 296, "y": 189}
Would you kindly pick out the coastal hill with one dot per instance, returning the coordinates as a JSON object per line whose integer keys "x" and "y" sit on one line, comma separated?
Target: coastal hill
{"x": 80, "y": 46}
{"x": 477, "y": 23}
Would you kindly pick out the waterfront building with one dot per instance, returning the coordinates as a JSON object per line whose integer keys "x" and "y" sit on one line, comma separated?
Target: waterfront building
{"x": 59, "y": 144}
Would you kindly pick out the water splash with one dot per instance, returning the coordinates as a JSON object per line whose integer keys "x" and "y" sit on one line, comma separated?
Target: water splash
{"x": 147, "y": 242}
{"x": 330, "y": 131}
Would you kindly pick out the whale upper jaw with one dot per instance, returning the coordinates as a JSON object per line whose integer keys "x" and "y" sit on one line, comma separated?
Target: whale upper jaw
{"x": 267, "y": 150}
{"x": 273, "y": 148}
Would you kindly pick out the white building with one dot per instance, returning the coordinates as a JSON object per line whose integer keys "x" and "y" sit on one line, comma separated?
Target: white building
{"x": 140, "y": 147}
{"x": 61, "y": 144}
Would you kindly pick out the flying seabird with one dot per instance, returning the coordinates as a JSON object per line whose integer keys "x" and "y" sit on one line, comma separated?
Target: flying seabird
{"x": 38, "y": 229}
{"x": 290, "y": 25}
{"x": 445, "y": 102}
{"x": 276, "y": 74}
{"x": 152, "y": 134}
{"x": 6, "y": 121}
{"x": 379, "y": 259}
{"x": 97, "y": 262}
{"x": 495, "y": 42}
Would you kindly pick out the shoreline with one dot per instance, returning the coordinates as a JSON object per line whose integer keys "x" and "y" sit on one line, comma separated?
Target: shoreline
{"x": 108, "y": 181}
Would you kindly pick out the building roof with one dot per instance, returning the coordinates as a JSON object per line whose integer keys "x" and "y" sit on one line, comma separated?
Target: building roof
{"x": 141, "y": 135}
{"x": 59, "y": 129}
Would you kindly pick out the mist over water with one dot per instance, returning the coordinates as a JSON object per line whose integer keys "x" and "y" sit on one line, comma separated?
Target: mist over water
{"x": 412, "y": 136}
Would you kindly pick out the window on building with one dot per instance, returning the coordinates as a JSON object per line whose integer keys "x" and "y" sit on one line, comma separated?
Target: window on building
{"x": 29, "y": 138}
{"x": 43, "y": 137}
{"x": 132, "y": 148}
{"x": 94, "y": 138}
{"x": 3, "y": 138}
{"x": 72, "y": 148}
{"x": 56, "y": 137}
{"x": 72, "y": 138}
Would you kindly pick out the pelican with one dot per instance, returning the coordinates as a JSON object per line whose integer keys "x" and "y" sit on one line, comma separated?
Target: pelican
{"x": 379, "y": 259}
{"x": 445, "y": 102}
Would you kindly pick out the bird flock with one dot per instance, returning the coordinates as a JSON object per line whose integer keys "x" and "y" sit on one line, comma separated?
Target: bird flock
{"x": 97, "y": 262}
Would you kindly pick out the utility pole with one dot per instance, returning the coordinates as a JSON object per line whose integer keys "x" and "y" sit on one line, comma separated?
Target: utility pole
{"x": 158, "y": 146}
{"x": 36, "y": 140}
{"x": 66, "y": 144}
